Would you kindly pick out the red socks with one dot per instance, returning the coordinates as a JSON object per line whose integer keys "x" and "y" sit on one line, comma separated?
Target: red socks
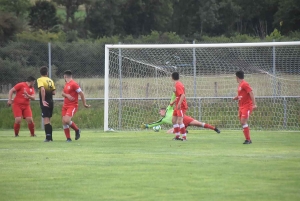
{"x": 67, "y": 132}
{"x": 16, "y": 128}
{"x": 246, "y": 131}
{"x": 31, "y": 128}
{"x": 208, "y": 126}
{"x": 74, "y": 126}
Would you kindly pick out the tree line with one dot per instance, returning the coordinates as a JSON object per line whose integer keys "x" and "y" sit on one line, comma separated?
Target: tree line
{"x": 190, "y": 19}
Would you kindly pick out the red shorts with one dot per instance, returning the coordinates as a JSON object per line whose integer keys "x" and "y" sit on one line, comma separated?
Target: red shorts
{"x": 179, "y": 113}
{"x": 21, "y": 110}
{"x": 245, "y": 113}
{"x": 187, "y": 120}
{"x": 69, "y": 110}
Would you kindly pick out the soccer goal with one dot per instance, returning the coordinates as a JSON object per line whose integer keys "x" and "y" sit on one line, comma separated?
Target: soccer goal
{"x": 138, "y": 83}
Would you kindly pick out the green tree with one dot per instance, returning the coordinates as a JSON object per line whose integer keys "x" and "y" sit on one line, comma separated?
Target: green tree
{"x": 104, "y": 18}
{"x": 143, "y": 16}
{"x": 287, "y": 18}
{"x": 71, "y": 7}
{"x": 43, "y": 15}
{"x": 256, "y": 17}
{"x": 8, "y": 26}
{"x": 18, "y": 7}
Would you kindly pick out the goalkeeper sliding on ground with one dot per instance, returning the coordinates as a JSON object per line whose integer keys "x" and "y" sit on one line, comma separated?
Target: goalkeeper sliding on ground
{"x": 167, "y": 114}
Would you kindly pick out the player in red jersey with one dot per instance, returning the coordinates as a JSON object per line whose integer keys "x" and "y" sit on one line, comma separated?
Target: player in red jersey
{"x": 247, "y": 103}
{"x": 21, "y": 104}
{"x": 70, "y": 106}
{"x": 180, "y": 108}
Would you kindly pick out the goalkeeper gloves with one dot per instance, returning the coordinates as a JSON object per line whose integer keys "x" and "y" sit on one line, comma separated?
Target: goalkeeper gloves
{"x": 143, "y": 126}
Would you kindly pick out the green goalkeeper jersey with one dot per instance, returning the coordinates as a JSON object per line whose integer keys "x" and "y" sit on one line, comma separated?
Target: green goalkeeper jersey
{"x": 167, "y": 119}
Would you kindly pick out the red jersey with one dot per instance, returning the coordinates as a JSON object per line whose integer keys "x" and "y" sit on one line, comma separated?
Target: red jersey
{"x": 20, "y": 98}
{"x": 73, "y": 89}
{"x": 243, "y": 94}
{"x": 179, "y": 90}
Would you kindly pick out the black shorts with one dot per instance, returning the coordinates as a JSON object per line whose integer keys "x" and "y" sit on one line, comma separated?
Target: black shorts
{"x": 47, "y": 111}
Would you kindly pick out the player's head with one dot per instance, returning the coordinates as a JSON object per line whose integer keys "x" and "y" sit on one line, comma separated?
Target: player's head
{"x": 175, "y": 76}
{"x": 44, "y": 70}
{"x": 239, "y": 75}
{"x": 30, "y": 80}
{"x": 162, "y": 111}
{"x": 67, "y": 74}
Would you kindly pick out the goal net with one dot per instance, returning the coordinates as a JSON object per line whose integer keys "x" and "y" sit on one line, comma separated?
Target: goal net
{"x": 138, "y": 83}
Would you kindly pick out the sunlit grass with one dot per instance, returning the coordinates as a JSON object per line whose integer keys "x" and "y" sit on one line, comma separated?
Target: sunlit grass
{"x": 150, "y": 166}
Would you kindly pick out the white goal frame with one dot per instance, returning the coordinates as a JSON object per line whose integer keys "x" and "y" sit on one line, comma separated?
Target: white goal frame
{"x": 165, "y": 46}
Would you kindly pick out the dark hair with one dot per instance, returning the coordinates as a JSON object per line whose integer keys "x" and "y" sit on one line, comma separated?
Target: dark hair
{"x": 44, "y": 70}
{"x": 30, "y": 79}
{"x": 240, "y": 74}
{"x": 175, "y": 76}
{"x": 68, "y": 73}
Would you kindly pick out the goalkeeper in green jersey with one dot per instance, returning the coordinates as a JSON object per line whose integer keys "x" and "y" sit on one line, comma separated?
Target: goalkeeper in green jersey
{"x": 167, "y": 114}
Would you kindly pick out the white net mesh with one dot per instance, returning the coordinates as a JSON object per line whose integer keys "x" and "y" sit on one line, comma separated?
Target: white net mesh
{"x": 140, "y": 83}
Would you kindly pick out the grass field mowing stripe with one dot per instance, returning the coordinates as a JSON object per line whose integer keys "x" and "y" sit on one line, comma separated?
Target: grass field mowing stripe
{"x": 150, "y": 166}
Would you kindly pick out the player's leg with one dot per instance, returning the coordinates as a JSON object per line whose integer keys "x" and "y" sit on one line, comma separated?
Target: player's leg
{"x": 27, "y": 113}
{"x": 65, "y": 120}
{"x": 180, "y": 115}
{"x": 18, "y": 118}
{"x": 244, "y": 116}
{"x": 46, "y": 115}
{"x": 204, "y": 125}
{"x": 67, "y": 123}
{"x": 176, "y": 129}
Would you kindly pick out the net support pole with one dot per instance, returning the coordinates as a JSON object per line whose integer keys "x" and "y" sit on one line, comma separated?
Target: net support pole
{"x": 194, "y": 66}
{"x": 274, "y": 70}
{"x": 106, "y": 88}
{"x": 121, "y": 88}
{"x": 284, "y": 113}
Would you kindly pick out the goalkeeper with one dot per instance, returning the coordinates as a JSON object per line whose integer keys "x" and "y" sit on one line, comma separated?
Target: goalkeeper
{"x": 167, "y": 114}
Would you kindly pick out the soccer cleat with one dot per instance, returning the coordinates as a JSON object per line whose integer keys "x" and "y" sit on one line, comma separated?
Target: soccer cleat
{"x": 247, "y": 142}
{"x": 217, "y": 130}
{"x": 176, "y": 138}
{"x": 47, "y": 140}
{"x": 34, "y": 135}
{"x": 16, "y": 135}
{"x": 77, "y": 134}
{"x": 69, "y": 140}
{"x": 183, "y": 139}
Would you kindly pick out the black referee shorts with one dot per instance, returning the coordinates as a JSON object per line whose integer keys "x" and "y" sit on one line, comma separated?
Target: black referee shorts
{"x": 47, "y": 111}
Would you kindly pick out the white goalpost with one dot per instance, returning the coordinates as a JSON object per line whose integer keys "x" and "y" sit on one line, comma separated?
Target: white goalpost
{"x": 138, "y": 82}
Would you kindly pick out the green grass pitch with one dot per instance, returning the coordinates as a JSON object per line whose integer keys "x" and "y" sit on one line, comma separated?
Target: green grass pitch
{"x": 150, "y": 166}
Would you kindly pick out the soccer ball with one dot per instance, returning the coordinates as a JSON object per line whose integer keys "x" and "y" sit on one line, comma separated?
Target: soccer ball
{"x": 157, "y": 128}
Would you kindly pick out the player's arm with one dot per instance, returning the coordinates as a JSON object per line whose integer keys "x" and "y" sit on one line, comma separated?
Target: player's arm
{"x": 10, "y": 93}
{"x": 53, "y": 92}
{"x": 182, "y": 96}
{"x": 173, "y": 99}
{"x": 68, "y": 96}
{"x": 81, "y": 94}
{"x": 235, "y": 98}
{"x": 31, "y": 97}
{"x": 253, "y": 99}
{"x": 43, "y": 96}
{"x": 156, "y": 123}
